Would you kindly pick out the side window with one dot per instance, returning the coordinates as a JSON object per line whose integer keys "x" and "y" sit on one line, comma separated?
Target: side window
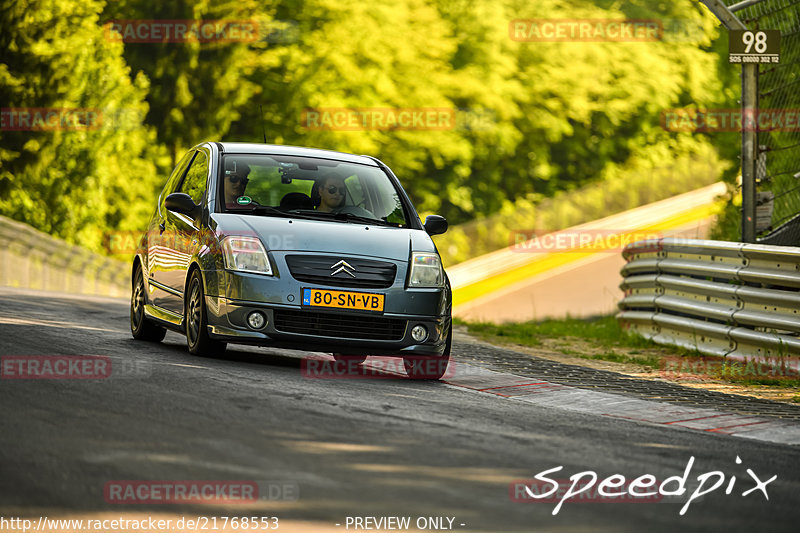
{"x": 195, "y": 182}
{"x": 174, "y": 178}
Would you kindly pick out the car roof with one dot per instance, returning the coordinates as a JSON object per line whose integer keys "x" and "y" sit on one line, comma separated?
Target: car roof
{"x": 276, "y": 149}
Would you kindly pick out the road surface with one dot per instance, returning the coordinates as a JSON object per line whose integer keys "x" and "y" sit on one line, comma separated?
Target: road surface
{"x": 341, "y": 448}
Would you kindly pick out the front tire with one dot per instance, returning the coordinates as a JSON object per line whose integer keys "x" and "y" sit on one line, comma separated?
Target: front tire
{"x": 141, "y": 328}
{"x": 196, "y": 320}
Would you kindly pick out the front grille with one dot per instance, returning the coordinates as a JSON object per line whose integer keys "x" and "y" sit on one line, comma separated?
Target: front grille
{"x": 366, "y": 273}
{"x": 342, "y": 326}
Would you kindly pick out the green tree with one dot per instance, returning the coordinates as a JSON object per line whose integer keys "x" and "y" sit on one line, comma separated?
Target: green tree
{"x": 198, "y": 88}
{"x": 80, "y": 181}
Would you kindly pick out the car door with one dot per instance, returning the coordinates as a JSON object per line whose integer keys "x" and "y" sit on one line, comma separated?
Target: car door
{"x": 160, "y": 242}
{"x": 183, "y": 233}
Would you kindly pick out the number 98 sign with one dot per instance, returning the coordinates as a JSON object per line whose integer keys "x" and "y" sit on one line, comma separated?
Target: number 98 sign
{"x": 759, "y": 46}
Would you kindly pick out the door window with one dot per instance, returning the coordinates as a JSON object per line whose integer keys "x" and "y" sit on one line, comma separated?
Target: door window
{"x": 195, "y": 182}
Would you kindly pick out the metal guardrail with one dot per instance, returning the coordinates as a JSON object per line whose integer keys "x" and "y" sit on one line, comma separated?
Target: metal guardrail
{"x": 719, "y": 298}
{"x": 34, "y": 260}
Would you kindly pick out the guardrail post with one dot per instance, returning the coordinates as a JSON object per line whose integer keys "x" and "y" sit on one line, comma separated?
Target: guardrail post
{"x": 749, "y": 156}
{"x": 749, "y": 116}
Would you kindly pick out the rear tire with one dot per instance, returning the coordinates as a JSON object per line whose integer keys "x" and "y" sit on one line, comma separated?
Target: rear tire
{"x": 196, "y": 320}
{"x": 141, "y": 328}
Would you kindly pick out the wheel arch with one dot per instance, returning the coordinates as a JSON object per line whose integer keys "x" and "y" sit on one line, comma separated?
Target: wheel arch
{"x": 189, "y": 272}
{"x": 137, "y": 262}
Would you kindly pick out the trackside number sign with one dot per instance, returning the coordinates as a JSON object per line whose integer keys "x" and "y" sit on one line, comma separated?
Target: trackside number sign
{"x": 759, "y": 46}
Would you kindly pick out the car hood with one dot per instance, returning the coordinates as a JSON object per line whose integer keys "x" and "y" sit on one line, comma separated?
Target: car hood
{"x": 323, "y": 236}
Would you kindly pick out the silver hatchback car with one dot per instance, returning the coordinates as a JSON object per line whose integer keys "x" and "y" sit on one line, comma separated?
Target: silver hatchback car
{"x": 297, "y": 248}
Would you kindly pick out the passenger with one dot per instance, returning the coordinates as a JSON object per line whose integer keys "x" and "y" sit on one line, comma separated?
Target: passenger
{"x": 329, "y": 193}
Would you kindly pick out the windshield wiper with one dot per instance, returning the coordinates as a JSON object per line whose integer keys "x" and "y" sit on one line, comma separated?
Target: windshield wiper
{"x": 268, "y": 210}
{"x": 349, "y": 217}
{"x": 359, "y": 218}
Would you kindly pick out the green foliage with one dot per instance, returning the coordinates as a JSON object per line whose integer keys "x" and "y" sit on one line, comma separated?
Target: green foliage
{"x": 78, "y": 182}
{"x": 198, "y": 89}
{"x": 537, "y": 121}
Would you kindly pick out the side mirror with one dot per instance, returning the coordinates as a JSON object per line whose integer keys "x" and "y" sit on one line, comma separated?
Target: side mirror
{"x": 180, "y": 202}
{"x": 435, "y": 225}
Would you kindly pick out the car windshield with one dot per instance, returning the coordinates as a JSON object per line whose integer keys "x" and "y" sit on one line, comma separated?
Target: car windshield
{"x": 309, "y": 187}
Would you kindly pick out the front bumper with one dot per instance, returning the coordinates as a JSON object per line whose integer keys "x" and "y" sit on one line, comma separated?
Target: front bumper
{"x": 227, "y": 320}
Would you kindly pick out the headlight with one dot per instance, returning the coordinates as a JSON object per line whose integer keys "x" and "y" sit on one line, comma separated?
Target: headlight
{"x": 426, "y": 271}
{"x": 246, "y": 254}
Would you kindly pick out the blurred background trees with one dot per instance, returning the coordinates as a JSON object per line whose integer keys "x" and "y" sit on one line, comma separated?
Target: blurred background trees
{"x": 74, "y": 182}
{"x": 534, "y": 118}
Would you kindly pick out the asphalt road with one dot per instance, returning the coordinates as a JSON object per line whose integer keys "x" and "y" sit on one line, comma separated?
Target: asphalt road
{"x": 344, "y": 447}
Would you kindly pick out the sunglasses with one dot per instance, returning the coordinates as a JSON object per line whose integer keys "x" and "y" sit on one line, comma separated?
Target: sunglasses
{"x": 236, "y": 179}
{"x": 333, "y": 189}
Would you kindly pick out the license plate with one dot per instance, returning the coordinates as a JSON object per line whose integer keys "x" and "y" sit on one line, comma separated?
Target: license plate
{"x": 362, "y": 301}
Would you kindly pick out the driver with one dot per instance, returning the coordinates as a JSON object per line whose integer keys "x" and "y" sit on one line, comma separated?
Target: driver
{"x": 235, "y": 183}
